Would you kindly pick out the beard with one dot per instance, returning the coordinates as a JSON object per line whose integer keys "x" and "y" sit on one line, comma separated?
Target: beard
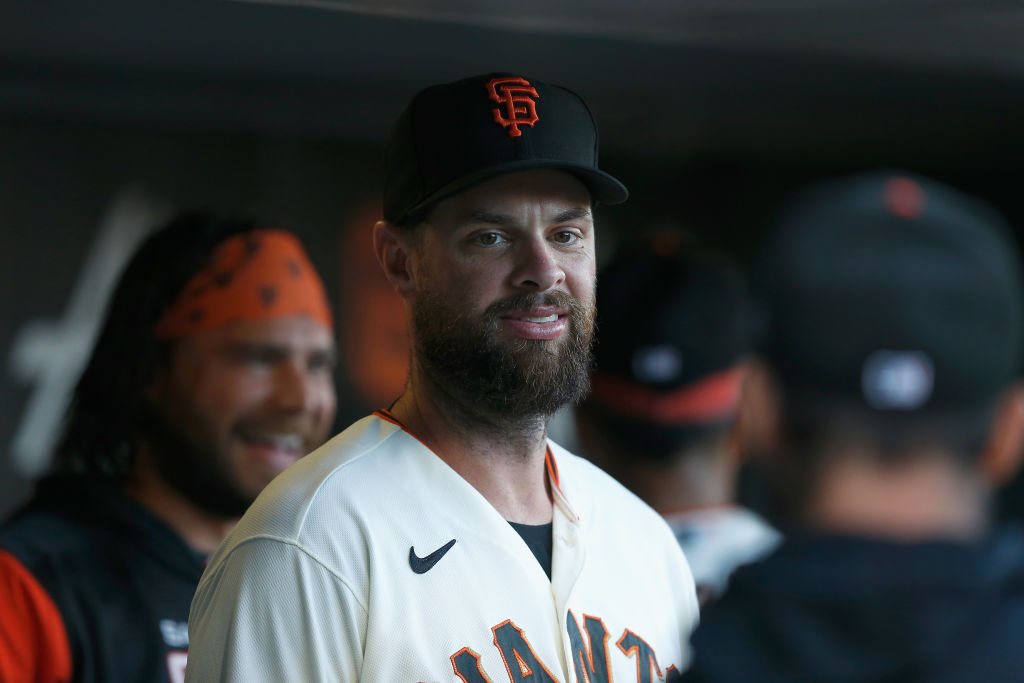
{"x": 194, "y": 469}
{"x": 506, "y": 379}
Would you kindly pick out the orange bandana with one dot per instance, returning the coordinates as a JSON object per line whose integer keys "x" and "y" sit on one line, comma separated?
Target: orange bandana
{"x": 252, "y": 276}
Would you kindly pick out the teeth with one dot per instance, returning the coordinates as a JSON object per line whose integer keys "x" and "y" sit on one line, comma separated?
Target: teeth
{"x": 290, "y": 442}
{"x": 547, "y": 319}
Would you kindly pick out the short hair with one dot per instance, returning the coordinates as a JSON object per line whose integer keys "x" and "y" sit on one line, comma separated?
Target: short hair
{"x": 815, "y": 428}
{"x": 102, "y": 420}
{"x": 807, "y": 419}
{"x": 632, "y": 439}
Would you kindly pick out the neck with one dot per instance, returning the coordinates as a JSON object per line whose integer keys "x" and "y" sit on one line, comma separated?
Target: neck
{"x": 502, "y": 458}
{"x": 926, "y": 497}
{"x": 202, "y": 531}
{"x": 701, "y": 476}
{"x": 693, "y": 481}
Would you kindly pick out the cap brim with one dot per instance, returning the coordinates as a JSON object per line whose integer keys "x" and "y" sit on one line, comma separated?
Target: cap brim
{"x": 603, "y": 187}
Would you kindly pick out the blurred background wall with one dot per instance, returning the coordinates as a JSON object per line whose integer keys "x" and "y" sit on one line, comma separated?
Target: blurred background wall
{"x": 114, "y": 114}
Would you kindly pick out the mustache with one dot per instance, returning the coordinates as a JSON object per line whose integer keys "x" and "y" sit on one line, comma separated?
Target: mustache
{"x": 527, "y": 300}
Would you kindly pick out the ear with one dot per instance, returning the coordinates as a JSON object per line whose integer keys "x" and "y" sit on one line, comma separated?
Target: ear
{"x": 757, "y": 420}
{"x": 394, "y": 248}
{"x": 732, "y": 450}
{"x": 1004, "y": 451}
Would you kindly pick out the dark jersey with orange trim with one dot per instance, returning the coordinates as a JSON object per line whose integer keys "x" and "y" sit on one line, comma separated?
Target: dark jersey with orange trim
{"x": 120, "y": 579}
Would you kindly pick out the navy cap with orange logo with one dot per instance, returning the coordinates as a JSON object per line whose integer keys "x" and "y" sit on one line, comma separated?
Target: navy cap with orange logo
{"x": 455, "y": 135}
{"x": 672, "y": 332}
{"x": 892, "y": 290}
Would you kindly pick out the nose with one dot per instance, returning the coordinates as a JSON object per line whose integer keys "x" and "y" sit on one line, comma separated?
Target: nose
{"x": 538, "y": 267}
{"x": 295, "y": 389}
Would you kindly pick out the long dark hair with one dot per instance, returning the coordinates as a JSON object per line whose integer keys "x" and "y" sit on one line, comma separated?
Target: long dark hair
{"x": 102, "y": 419}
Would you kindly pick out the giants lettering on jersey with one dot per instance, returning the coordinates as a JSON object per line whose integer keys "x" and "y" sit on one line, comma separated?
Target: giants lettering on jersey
{"x": 590, "y": 656}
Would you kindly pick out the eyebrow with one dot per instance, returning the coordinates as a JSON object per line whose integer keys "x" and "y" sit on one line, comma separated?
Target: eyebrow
{"x": 482, "y": 216}
{"x": 572, "y": 214}
{"x": 276, "y": 350}
{"x": 506, "y": 221}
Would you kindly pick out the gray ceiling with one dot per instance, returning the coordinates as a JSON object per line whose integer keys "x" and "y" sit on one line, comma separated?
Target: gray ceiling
{"x": 813, "y": 79}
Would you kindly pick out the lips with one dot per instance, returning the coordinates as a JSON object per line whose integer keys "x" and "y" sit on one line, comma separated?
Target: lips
{"x": 544, "y": 323}
{"x": 275, "y": 449}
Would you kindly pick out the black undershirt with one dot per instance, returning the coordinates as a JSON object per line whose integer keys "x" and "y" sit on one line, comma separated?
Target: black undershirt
{"x": 538, "y": 539}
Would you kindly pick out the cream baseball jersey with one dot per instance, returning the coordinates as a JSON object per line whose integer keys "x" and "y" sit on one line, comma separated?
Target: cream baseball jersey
{"x": 372, "y": 560}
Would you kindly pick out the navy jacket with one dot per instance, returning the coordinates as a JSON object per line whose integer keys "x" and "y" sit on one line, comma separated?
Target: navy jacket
{"x": 120, "y": 578}
{"x": 851, "y": 609}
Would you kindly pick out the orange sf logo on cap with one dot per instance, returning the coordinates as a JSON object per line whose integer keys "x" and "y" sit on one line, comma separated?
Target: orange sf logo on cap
{"x": 518, "y": 97}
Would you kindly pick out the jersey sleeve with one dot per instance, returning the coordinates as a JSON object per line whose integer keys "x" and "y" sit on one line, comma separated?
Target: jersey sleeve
{"x": 268, "y": 611}
{"x": 34, "y": 644}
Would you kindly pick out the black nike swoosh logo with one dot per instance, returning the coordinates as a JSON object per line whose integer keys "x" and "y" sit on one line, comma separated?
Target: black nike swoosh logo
{"x": 422, "y": 565}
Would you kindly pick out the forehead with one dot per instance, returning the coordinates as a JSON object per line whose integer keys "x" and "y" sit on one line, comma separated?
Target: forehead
{"x": 296, "y": 332}
{"x": 548, "y": 191}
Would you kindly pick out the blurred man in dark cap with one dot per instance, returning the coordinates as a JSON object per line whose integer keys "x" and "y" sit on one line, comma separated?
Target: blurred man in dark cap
{"x": 211, "y": 374}
{"x": 886, "y": 408}
{"x": 671, "y": 344}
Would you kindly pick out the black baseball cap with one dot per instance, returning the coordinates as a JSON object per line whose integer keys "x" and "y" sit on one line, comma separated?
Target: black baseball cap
{"x": 672, "y": 331}
{"x": 455, "y": 135}
{"x": 893, "y": 290}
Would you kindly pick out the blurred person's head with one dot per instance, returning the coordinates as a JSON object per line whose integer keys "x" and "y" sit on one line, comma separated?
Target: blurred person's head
{"x": 886, "y": 400}
{"x": 488, "y": 237}
{"x": 671, "y": 341}
{"x": 212, "y": 371}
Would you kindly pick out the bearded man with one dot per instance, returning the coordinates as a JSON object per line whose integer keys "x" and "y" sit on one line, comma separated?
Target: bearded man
{"x": 447, "y": 538}
{"x": 211, "y": 374}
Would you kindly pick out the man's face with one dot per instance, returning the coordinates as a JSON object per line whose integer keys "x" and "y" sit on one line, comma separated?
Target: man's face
{"x": 235, "y": 406}
{"x": 504, "y": 292}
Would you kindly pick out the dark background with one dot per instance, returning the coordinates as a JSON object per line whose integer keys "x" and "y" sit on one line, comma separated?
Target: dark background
{"x": 115, "y": 113}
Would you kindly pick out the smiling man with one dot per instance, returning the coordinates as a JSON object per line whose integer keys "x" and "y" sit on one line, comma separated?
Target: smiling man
{"x": 446, "y": 538}
{"x": 211, "y": 375}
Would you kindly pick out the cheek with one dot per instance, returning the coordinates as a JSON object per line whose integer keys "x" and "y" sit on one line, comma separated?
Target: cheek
{"x": 581, "y": 278}
{"x": 327, "y": 401}
{"x": 231, "y": 395}
{"x": 468, "y": 286}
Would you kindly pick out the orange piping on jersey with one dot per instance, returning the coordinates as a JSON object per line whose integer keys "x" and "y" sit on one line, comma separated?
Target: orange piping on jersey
{"x": 549, "y": 458}
{"x": 714, "y": 397}
{"x": 386, "y": 415}
{"x": 552, "y": 466}
{"x": 552, "y": 469}
{"x": 35, "y": 642}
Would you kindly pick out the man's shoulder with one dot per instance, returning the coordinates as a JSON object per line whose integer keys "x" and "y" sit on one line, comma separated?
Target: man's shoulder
{"x": 824, "y": 601}
{"x": 354, "y": 466}
{"x": 322, "y": 510}
{"x": 40, "y": 530}
{"x": 74, "y": 560}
